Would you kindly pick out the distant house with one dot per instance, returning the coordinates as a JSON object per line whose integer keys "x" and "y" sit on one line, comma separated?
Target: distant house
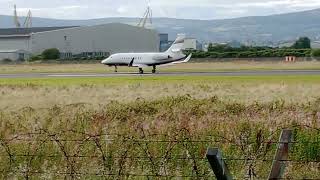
{"x": 164, "y": 42}
{"x": 315, "y": 45}
{"x": 192, "y": 44}
{"x": 285, "y": 44}
{"x": 235, "y": 44}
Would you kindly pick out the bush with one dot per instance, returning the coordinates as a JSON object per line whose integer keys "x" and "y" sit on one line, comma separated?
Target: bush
{"x": 7, "y": 60}
{"x": 255, "y": 52}
{"x": 52, "y": 54}
{"x": 302, "y": 43}
{"x": 315, "y": 53}
{"x": 99, "y": 58}
{"x": 35, "y": 58}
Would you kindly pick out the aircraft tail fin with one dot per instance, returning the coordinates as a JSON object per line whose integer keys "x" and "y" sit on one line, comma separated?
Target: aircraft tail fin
{"x": 177, "y": 45}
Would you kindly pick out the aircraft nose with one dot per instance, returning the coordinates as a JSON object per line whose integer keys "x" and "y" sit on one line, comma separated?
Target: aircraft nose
{"x": 105, "y": 61}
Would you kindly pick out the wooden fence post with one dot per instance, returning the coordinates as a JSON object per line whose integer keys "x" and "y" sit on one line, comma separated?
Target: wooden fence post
{"x": 282, "y": 155}
{"x": 218, "y": 165}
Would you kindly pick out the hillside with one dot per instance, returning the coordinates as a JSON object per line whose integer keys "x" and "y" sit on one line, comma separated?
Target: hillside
{"x": 260, "y": 29}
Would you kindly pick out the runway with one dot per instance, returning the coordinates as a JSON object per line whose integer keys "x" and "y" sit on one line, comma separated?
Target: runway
{"x": 224, "y": 73}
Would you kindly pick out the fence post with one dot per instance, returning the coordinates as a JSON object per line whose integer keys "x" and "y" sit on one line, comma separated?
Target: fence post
{"x": 281, "y": 156}
{"x": 218, "y": 165}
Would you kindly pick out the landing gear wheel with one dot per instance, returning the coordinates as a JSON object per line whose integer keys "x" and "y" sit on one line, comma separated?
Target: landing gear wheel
{"x": 115, "y": 69}
{"x": 154, "y": 70}
{"x": 141, "y": 71}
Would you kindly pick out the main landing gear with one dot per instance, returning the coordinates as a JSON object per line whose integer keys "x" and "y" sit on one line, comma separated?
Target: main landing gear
{"x": 141, "y": 71}
{"x": 154, "y": 70}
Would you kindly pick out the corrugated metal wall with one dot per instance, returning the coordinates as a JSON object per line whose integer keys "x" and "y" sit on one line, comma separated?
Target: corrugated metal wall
{"x": 112, "y": 38}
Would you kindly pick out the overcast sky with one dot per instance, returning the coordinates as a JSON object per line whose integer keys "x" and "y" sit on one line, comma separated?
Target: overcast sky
{"x": 186, "y": 9}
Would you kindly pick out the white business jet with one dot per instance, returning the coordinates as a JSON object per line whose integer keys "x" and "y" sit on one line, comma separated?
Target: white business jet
{"x": 173, "y": 55}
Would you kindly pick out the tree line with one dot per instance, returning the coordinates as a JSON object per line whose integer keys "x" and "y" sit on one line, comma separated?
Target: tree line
{"x": 301, "y": 48}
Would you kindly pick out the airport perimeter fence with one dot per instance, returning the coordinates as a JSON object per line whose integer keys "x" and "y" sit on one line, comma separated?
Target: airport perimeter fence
{"x": 77, "y": 155}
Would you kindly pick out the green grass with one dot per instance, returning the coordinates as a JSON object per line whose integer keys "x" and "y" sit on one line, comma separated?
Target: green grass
{"x": 98, "y": 125}
{"x": 162, "y": 79}
{"x": 188, "y": 67}
{"x": 46, "y": 92}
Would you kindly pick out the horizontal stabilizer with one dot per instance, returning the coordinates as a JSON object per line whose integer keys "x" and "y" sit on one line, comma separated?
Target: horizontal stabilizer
{"x": 179, "y": 62}
{"x": 184, "y": 61}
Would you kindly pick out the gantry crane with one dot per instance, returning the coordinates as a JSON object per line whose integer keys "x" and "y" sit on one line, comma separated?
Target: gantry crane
{"x": 146, "y": 17}
{"x": 15, "y": 16}
{"x": 28, "y": 21}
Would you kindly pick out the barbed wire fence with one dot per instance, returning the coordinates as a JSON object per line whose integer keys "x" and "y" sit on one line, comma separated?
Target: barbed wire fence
{"x": 73, "y": 155}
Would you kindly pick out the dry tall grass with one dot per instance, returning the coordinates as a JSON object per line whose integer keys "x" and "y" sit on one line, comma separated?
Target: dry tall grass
{"x": 166, "y": 138}
{"x": 154, "y": 127}
{"x": 16, "y": 97}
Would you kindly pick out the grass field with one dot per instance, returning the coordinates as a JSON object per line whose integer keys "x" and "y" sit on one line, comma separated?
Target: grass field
{"x": 156, "y": 127}
{"x": 18, "y": 93}
{"x": 164, "y": 138}
{"x": 190, "y": 67}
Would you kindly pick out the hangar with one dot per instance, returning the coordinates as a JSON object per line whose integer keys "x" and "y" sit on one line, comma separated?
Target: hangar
{"x": 84, "y": 41}
{"x": 15, "y": 55}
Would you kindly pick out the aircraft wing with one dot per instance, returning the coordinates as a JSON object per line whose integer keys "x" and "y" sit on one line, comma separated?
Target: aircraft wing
{"x": 140, "y": 65}
{"x": 179, "y": 62}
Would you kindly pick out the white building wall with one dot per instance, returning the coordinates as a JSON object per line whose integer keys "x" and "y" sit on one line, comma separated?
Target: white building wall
{"x": 14, "y": 55}
{"x": 13, "y": 43}
{"x": 190, "y": 44}
{"x": 315, "y": 45}
{"x": 11, "y": 56}
{"x": 113, "y": 38}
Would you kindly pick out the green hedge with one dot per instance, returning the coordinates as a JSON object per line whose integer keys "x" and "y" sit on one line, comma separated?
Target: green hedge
{"x": 316, "y": 52}
{"x": 253, "y": 53}
{"x": 51, "y": 54}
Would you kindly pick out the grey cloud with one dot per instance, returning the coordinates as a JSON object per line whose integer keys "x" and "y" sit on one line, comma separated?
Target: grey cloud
{"x": 194, "y": 9}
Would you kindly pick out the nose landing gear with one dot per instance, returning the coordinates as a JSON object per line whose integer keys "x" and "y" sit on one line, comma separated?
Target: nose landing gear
{"x": 115, "y": 69}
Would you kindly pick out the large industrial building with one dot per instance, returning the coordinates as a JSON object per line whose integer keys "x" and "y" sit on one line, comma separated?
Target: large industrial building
{"x": 87, "y": 41}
